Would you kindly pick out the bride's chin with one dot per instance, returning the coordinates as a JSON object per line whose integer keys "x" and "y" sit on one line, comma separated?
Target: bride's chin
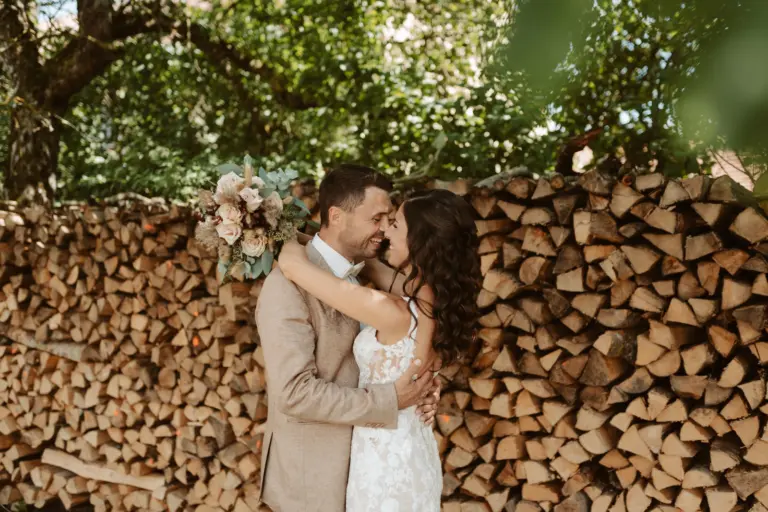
{"x": 394, "y": 262}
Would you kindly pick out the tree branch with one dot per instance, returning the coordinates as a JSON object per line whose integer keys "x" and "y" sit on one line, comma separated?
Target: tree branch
{"x": 88, "y": 56}
{"x": 220, "y": 51}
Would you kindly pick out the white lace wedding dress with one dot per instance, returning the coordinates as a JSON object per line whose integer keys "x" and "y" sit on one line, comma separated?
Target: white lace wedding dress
{"x": 392, "y": 470}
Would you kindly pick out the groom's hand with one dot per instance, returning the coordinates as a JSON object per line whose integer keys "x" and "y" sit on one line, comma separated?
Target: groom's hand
{"x": 413, "y": 386}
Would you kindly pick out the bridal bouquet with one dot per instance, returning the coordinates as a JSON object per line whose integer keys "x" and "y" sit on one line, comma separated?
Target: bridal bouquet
{"x": 248, "y": 218}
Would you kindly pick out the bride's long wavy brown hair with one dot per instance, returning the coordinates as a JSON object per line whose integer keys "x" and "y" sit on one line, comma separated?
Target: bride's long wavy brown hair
{"x": 442, "y": 245}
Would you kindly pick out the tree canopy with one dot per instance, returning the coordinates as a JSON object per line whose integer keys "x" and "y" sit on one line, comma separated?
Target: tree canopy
{"x": 148, "y": 96}
{"x": 666, "y": 81}
{"x": 292, "y": 83}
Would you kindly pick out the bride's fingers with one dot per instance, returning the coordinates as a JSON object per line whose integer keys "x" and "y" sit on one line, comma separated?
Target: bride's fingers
{"x": 415, "y": 368}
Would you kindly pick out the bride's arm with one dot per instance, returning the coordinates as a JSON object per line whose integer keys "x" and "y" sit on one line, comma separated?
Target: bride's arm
{"x": 372, "y": 307}
{"x": 384, "y": 277}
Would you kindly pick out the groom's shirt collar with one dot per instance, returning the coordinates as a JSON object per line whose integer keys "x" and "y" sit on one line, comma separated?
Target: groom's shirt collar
{"x": 338, "y": 263}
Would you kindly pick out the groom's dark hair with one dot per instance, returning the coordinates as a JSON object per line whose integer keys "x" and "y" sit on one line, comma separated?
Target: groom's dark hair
{"x": 344, "y": 187}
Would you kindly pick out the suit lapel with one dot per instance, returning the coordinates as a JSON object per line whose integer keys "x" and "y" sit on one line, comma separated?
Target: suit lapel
{"x": 315, "y": 257}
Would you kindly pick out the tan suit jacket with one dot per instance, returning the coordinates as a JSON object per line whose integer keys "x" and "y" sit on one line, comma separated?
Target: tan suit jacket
{"x": 313, "y": 397}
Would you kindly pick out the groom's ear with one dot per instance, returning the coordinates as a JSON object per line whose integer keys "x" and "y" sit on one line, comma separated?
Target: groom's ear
{"x": 335, "y": 216}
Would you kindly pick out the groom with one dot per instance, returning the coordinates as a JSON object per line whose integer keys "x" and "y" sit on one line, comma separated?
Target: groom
{"x": 312, "y": 376}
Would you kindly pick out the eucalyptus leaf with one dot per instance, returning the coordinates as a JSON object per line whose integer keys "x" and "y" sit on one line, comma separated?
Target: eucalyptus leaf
{"x": 256, "y": 270}
{"x": 266, "y": 261}
{"x": 298, "y": 202}
{"x": 222, "y": 269}
{"x": 228, "y": 168}
{"x": 264, "y": 175}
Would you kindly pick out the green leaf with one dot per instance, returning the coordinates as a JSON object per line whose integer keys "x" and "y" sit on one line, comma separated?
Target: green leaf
{"x": 761, "y": 186}
{"x": 313, "y": 224}
{"x": 228, "y": 168}
{"x": 298, "y": 202}
{"x": 266, "y": 261}
{"x": 264, "y": 176}
{"x": 222, "y": 268}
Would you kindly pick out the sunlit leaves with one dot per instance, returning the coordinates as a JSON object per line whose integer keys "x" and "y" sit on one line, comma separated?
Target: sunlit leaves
{"x": 666, "y": 80}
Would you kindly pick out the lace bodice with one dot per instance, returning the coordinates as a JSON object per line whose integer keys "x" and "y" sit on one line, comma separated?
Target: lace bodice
{"x": 392, "y": 470}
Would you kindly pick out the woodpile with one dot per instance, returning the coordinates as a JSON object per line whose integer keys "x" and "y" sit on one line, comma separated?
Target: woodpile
{"x": 129, "y": 378}
{"x": 619, "y": 367}
{"x": 622, "y": 350}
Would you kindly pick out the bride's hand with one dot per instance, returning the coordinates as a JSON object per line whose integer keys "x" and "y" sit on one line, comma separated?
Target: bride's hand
{"x": 291, "y": 254}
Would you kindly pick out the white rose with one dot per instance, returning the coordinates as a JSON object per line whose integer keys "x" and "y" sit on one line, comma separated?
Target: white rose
{"x": 273, "y": 208}
{"x": 229, "y": 213}
{"x": 253, "y": 245}
{"x": 252, "y": 199}
{"x": 229, "y": 231}
{"x": 227, "y": 188}
{"x": 273, "y": 202}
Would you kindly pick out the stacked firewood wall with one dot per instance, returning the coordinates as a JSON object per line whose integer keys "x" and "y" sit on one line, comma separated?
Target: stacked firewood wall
{"x": 129, "y": 378}
{"x": 619, "y": 364}
{"x": 622, "y": 350}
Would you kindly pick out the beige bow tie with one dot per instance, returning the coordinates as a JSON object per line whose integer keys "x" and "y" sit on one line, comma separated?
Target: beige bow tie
{"x": 354, "y": 270}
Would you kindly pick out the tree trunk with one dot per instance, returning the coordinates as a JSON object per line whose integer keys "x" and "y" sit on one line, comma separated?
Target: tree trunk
{"x": 33, "y": 153}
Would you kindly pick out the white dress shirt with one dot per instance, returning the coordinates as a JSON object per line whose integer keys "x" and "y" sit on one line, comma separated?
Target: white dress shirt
{"x": 338, "y": 263}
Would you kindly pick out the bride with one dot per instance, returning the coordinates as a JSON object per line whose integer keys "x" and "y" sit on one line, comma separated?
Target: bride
{"x": 431, "y": 308}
